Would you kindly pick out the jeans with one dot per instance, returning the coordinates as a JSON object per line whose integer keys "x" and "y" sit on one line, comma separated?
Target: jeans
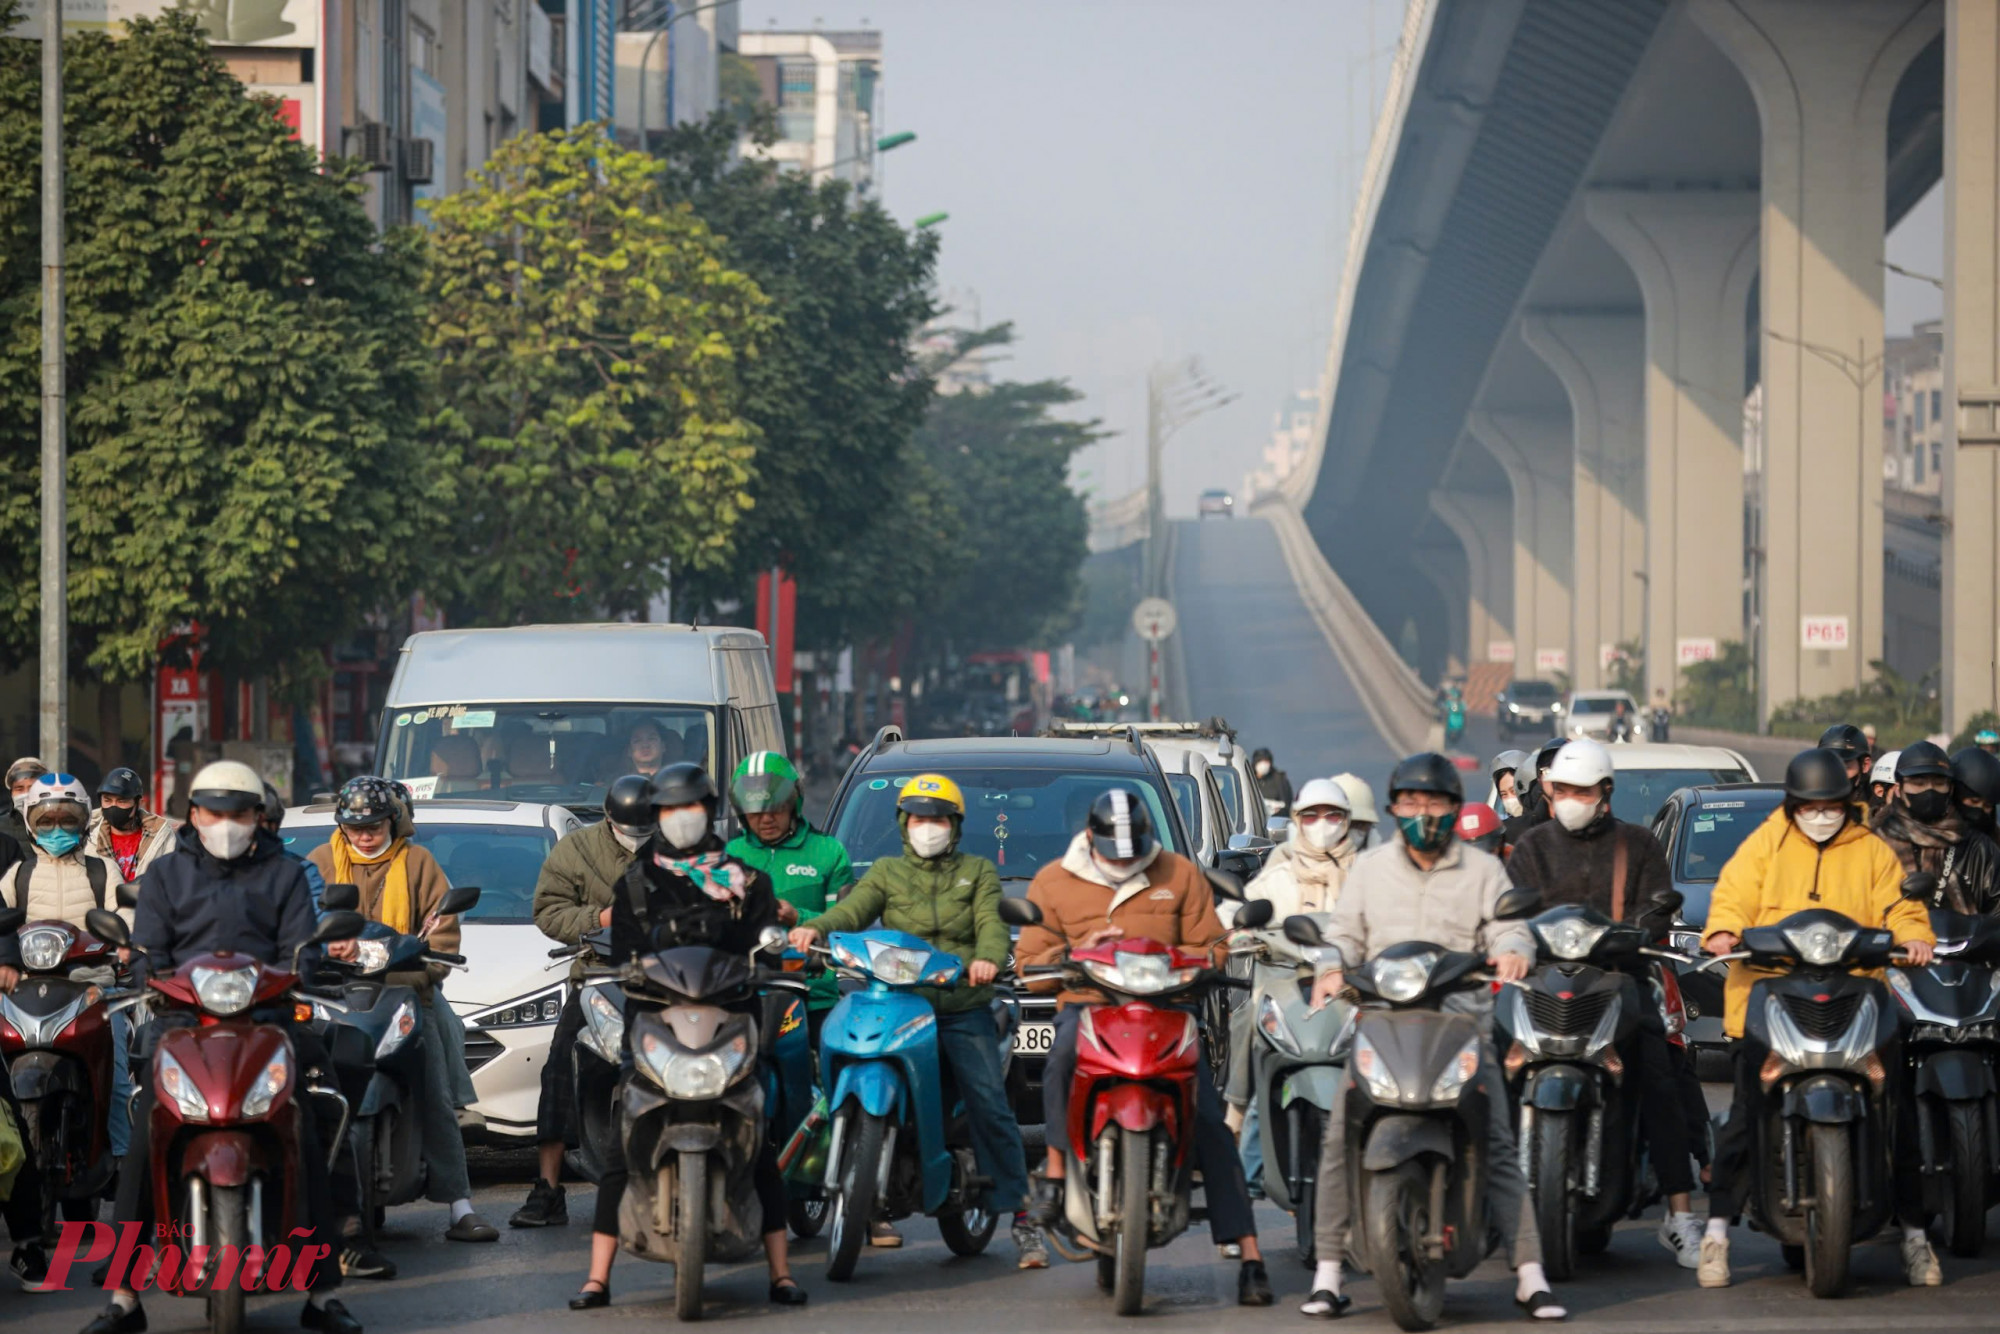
{"x": 1508, "y": 1201}
{"x": 447, "y": 1179}
{"x": 120, "y": 1126}
{"x": 969, "y": 1042}
{"x": 1250, "y": 1142}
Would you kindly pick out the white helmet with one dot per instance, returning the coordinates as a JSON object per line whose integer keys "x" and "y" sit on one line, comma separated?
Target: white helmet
{"x": 56, "y": 790}
{"x": 1885, "y": 769}
{"x": 1321, "y": 792}
{"x": 1581, "y": 763}
{"x": 1360, "y": 800}
{"x": 227, "y": 785}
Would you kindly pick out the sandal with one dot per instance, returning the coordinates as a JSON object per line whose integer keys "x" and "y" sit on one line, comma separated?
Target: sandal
{"x": 1326, "y": 1305}
{"x": 1541, "y": 1306}
{"x": 787, "y": 1292}
{"x": 589, "y": 1297}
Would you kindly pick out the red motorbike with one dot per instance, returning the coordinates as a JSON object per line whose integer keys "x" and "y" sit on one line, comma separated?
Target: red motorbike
{"x": 1128, "y": 1145}
{"x": 226, "y": 1144}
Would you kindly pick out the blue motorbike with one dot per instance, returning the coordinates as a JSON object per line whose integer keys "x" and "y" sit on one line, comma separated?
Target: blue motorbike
{"x": 900, "y": 1142}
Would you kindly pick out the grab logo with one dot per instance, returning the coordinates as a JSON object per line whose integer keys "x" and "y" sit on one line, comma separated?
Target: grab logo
{"x": 805, "y": 872}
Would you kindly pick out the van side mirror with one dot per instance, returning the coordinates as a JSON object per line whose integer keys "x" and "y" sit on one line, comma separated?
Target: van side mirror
{"x": 1303, "y": 929}
{"x": 1516, "y": 903}
{"x": 343, "y": 898}
{"x": 1020, "y": 912}
{"x": 1254, "y": 914}
{"x": 106, "y": 925}
{"x": 458, "y": 900}
{"x": 128, "y": 894}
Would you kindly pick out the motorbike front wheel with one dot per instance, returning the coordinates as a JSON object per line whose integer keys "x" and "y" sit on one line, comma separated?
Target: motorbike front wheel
{"x": 967, "y": 1232}
{"x": 854, "y": 1206}
{"x": 1135, "y": 1158}
{"x": 1830, "y": 1216}
{"x": 1553, "y": 1217}
{"x": 807, "y": 1217}
{"x": 691, "y": 1235}
{"x": 1971, "y": 1168}
{"x": 229, "y": 1224}
{"x": 1396, "y": 1214}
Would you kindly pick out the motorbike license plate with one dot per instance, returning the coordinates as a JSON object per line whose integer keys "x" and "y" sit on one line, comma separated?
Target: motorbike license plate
{"x": 1034, "y": 1039}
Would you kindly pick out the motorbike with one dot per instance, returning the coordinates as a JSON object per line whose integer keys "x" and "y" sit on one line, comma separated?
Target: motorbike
{"x": 225, "y": 1131}
{"x": 1822, "y": 1161}
{"x": 1128, "y": 1146}
{"x": 1454, "y": 720}
{"x": 900, "y": 1142}
{"x": 595, "y": 1055}
{"x": 691, "y": 1110}
{"x": 1952, "y": 1045}
{"x": 55, "y": 1036}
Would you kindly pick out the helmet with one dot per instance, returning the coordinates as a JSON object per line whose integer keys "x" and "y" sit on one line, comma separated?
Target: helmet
{"x": 21, "y": 770}
{"x": 1817, "y": 775}
{"x": 404, "y": 795}
{"x": 1885, "y": 768}
{"x": 683, "y": 784}
{"x": 1978, "y": 772}
{"x": 1320, "y": 792}
{"x": 1845, "y": 740}
{"x": 1360, "y": 799}
{"x": 1986, "y": 737}
{"x": 1923, "y": 759}
{"x": 227, "y": 785}
{"x": 764, "y": 781}
{"x": 1581, "y": 763}
{"x": 57, "y": 790}
{"x": 1120, "y": 828}
{"x": 366, "y": 800}
{"x": 933, "y": 795}
{"x": 628, "y": 805}
{"x": 1506, "y": 762}
{"x": 121, "y": 783}
{"x": 274, "y": 805}
{"x": 1427, "y": 771}
{"x": 1476, "y": 821}
{"x": 1547, "y": 754}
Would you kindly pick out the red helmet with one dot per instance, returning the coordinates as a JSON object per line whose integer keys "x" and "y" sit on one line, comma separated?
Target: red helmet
{"x": 1479, "y": 825}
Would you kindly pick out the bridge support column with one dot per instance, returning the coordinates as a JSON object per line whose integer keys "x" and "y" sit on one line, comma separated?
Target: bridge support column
{"x": 1694, "y": 254}
{"x": 1484, "y": 527}
{"x": 1537, "y": 453}
{"x": 1823, "y": 73}
{"x": 1971, "y": 361}
{"x": 1443, "y": 563}
{"x": 1600, "y": 358}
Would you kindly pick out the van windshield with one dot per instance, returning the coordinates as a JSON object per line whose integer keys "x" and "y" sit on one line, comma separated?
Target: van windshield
{"x": 563, "y": 754}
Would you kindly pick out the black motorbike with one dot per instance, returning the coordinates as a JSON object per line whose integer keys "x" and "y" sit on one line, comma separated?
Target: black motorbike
{"x": 595, "y": 1055}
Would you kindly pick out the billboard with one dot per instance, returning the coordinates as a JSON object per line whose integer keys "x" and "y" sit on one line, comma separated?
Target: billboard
{"x": 293, "y": 23}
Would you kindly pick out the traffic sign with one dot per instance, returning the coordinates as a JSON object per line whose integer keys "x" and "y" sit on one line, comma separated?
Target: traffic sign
{"x": 1154, "y": 619}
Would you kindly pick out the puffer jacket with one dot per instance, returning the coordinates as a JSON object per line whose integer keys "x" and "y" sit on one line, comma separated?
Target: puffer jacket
{"x": 1299, "y": 878}
{"x": 578, "y": 880}
{"x": 59, "y": 888}
{"x": 1170, "y": 902}
{"x": 1779, "y": 871}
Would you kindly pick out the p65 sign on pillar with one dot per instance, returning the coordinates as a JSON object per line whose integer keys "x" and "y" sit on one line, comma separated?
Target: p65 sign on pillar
{"x": 1823, "y": 632}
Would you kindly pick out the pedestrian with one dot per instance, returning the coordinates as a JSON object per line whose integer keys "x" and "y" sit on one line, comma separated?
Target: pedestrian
{"x": 1272, "y": 784}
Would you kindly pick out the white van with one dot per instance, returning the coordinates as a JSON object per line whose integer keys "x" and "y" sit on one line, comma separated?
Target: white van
{"x": 554, "y": 713}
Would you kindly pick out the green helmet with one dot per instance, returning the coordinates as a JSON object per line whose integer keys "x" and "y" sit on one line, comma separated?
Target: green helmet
{"x": 764, "y": 781}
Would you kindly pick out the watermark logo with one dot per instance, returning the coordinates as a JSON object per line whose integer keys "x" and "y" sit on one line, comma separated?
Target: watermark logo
{"x": 172, "y": 1264}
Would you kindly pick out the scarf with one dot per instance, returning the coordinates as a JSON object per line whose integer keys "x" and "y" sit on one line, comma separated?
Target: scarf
{"x": 394, "y": 909}
{"x": 715, "y": 873}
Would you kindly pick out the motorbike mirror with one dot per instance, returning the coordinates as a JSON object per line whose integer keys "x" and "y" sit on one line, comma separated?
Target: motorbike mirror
{"x": 1920, "y": 885}
{"x": 128, "y": 894}
{"x": 1020, "y": 912}
{"x": 1226, "y": 883}
{"x": 1516, "y": 903}
{"x": 1303, "y": 929}
{"x": 108, "y": 927}
{"x": 1249, "y": 843}
{"x": 1277, "y": 826}
{"x": 344, "y": 898}
{"x": 459, "y": 899}
{"x": 341, "y": 924}
{"x": 771, "y": 940}
{"x": 1254, "y": 914}
{"x": 1667, "y": 903}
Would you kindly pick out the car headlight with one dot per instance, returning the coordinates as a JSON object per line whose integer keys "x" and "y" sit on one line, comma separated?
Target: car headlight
{"x": 604, "y": 1023}
{"x": 43, "y": 948}
{"x": 693, "y": 1076}
{"x": 1572, "y": 937}
{"x": 401, "y": 1025}
{"x": 1822, "y": 943}
{"x": 896, "y": 965}
{"x": 1367, "y": 1063}
{"x": 1403, "y": 980}
{"x": 175, "y": 1084}
{"x": 225, "y": 990}
{"x": 1513, "y": 708}
{"x": 1458, "y": 1074}
{"x": 544, "y": 1007}
{"x": 1271, "y": 1020}
{"x": 276, "y": 1074}
{"x": 1140, "y": 974}
{"x": 371, "y": 956}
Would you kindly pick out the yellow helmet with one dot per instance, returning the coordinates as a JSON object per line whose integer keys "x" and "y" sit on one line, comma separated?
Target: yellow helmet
{"x": 932, "y": 795}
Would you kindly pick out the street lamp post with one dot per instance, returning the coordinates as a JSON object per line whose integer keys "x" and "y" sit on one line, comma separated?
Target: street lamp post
{"x": 55, "y": 565}
{"x": 882, "y": 145}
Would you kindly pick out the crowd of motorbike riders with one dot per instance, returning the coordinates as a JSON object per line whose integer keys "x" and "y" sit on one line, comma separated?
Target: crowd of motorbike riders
{"x": 1881, "y": 840}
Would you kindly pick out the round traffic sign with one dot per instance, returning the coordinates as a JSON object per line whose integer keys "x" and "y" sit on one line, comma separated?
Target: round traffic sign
{"x": 1154, "y": 619}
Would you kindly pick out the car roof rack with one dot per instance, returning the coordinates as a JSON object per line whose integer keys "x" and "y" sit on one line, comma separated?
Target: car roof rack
{"x": 1214, "y": 728}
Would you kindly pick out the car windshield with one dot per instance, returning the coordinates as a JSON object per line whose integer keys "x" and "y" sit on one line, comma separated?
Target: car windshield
{"x": 553, "y": 753}
{"x": 503, "y": 860}
{"x": 1533, "y": 692}
{"x": 1716, "y": 829}
{"x": 1020, "y": 819}
{"x": 1638, "y": 794}
{"x": 1595, "y": 705}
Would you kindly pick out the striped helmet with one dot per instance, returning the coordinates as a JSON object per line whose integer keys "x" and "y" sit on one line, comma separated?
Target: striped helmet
{"x": 1120, "y": 828}
{"x": 764, "y": 781}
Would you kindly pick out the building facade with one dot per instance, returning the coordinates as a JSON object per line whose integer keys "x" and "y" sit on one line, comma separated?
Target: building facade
{"x": 670, "y": 61}
{"x": 827, "y": 90}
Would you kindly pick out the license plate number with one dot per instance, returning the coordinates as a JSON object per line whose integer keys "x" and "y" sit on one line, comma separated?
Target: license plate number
{"x": 1034, "y": 1039}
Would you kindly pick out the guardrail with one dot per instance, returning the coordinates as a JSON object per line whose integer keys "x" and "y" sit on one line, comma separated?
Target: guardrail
{"x": 1178, "y": 703}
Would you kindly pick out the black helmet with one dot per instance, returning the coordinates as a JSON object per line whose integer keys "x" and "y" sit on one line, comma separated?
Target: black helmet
{"x": 1817, "y": 775}
{"x": 1427, "y": 771}
{"x": 1547, "y": 754}
{"x": 274, "y": 806}
{"x": 122, "y": 783}
{"x": 628, "y": 805}
{"x": 1847, "y": 741}
{"x": 1923, "y": 759}
{"x": 1978, "y": 772}
{"x": 366, "y": 800}
{"x": 1120, "y": 827}
{"x": 683, "y": 784}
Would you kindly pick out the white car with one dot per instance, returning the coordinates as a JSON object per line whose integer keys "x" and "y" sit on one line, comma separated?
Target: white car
{"x": 1646, "y": 773}
{"x": 1228, "y": 762}
{"x": 509, "y": 995}
{"x": 1589, "y": 713}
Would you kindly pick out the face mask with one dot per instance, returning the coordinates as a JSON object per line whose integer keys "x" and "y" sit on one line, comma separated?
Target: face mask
{"x": 1512, "y": 804}
{"x": 1819, "y": 826}
{"x": 930, "y": 840}
{"x": 1979, "y": 819}
{"x": 684, "y": 829}
{"x": 58, "y": 842}
{"x": 629, "y": 842}
{"x": 1263, "y": 768}
{"x": 1574, "y": 815}
{"x": 21, "y": 805}
{"x": 1928, "y": 807}
{"x": 122, "y": 818}
{"x": 227, "y": 840}
{"x": 1426, "y": 833}
{"x": 1324, "y": 834}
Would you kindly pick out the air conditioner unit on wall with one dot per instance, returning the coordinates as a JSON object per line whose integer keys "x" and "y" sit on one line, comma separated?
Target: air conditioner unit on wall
{"x": 417, "y": 160}
{"x": 372, "y": 143}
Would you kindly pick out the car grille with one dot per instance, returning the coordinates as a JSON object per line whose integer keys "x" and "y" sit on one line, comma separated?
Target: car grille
{"x": 1822, "y": 1021}
{"x": 479, "y": 1049}
{"x": 1576, "y": 1017}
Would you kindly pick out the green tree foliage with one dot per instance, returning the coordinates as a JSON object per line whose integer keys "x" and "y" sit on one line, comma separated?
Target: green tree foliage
{"x": 1719, "y": 692}
{"x": 242, "y": 357}
{"x": 1903, "y": 709}
{"x": 592, "y": 350}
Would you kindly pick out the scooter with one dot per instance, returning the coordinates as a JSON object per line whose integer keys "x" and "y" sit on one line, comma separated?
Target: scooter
{"x": 900, "y": 1141}
{"x": 595, "y": 1055}
{"x": 55, "y": 1036}
{"x": 225, "y": 1126}
{"x": 1454, "y": 720}
{"x": 1128, "y": 1146}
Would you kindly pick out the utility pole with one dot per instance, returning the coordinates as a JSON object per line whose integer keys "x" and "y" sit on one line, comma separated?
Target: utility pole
{"x": 55, "y": 565}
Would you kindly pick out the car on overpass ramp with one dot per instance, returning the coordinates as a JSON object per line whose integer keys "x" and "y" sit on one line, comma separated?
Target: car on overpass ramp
{"x": 1216, "y": 504}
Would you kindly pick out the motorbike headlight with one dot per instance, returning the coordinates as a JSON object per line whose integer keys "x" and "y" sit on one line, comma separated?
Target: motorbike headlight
{"x": 1367, "y": 1063}
{"x": 401, "y": 1025}
{"x": 844, "y": 955}
{"x": 43, "y": 948}
{"x": 1572, "y": 937}
{"x": 276, "y": 1074}
{"x": 1140, "y": 974}
{"x": 175, "y": 1084}
{"x": 895, "y": 965}
{"x": 1822, "y": 943}
{"x": 371, "y": 956}
{"x": 1457, "y": 1074}
{"x": 1403, "y": 980}
{"x": 604, "y": 1023}
{"x": 225, "y": 991}
{"x": 1271, "y": 1020}
{"x": 693, "y": 1076}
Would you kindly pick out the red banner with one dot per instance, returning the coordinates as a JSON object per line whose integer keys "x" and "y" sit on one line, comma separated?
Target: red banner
{"x": 779, "y": 634}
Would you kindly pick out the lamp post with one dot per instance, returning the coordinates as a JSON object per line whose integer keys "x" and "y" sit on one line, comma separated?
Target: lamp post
{"x": 55, "y": 551}
{"x": 646, "y": 60}
{"x": 882, "y": 145}
{"x": 929, "y": 220}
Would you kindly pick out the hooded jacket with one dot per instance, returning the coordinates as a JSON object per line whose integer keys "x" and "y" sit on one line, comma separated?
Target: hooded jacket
{"x": 808, "y": 870}
{"x": 428, "y": 887}
{"x": 191, "y": 904}
{"x": 1170, "y": 901}
{"x": 578, "y": 881}
{"x": 156, "y": 840}
{"x": 1299, "y": 878}
{"x": 1582, "y": 867}
{"x": 1779, "y": 871}
{"x": 1966, "y": 861}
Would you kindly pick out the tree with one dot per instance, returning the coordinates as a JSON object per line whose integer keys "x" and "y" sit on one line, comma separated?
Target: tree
{"x": 242, "y": 352}
{"x": 592, "y": 351}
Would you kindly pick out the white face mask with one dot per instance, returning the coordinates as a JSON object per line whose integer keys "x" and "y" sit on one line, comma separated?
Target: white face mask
{"x": 1324, "y": 834}
{"x": 1573, "y": 814}
{"x": 1512, "y": 804}
{"x": 1819, "y": 826}
{"x": 227, "y": 840}
{"x": 684, "y": 829}
{"x": 629, "y": 842}
{"x": 929, "y": 840}
{"x": 1263, "y": 768}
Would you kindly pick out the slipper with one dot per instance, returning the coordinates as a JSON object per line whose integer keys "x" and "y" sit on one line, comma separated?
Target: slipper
{"x": 589, "y": 1298}
{"x": 787, "y": 1292}
{"x": 1327, "y": 1305}
{"x": 1541, "y": 1306}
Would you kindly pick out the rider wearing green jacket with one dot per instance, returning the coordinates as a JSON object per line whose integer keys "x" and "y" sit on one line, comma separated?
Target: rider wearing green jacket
{"x": 807, "y": 868}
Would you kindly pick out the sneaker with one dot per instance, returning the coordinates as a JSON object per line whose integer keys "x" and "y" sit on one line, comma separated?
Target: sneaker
{"x": 360, "y": 1261}
{"x": 1713, "y": 1270}
{"x": 547, "y": 1206}
{"x": 1045, "y": 1208}
{"x": 115, "y": 1320}
{"x": 1028, "y": 1240}
{"x": 332, "y": 1318}
{"x": 1920, "y": 1262}
{"x": 30, "y": 1264}
{"x": 884, "y": 1234}
{"x": 1681, "y": 1235}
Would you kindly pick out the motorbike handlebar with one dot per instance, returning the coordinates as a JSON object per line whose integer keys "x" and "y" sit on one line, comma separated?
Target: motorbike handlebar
{"x": 457, "y": 960}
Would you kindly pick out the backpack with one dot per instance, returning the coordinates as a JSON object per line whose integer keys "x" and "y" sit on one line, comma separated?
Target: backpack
{"x": 92, "y": 866}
